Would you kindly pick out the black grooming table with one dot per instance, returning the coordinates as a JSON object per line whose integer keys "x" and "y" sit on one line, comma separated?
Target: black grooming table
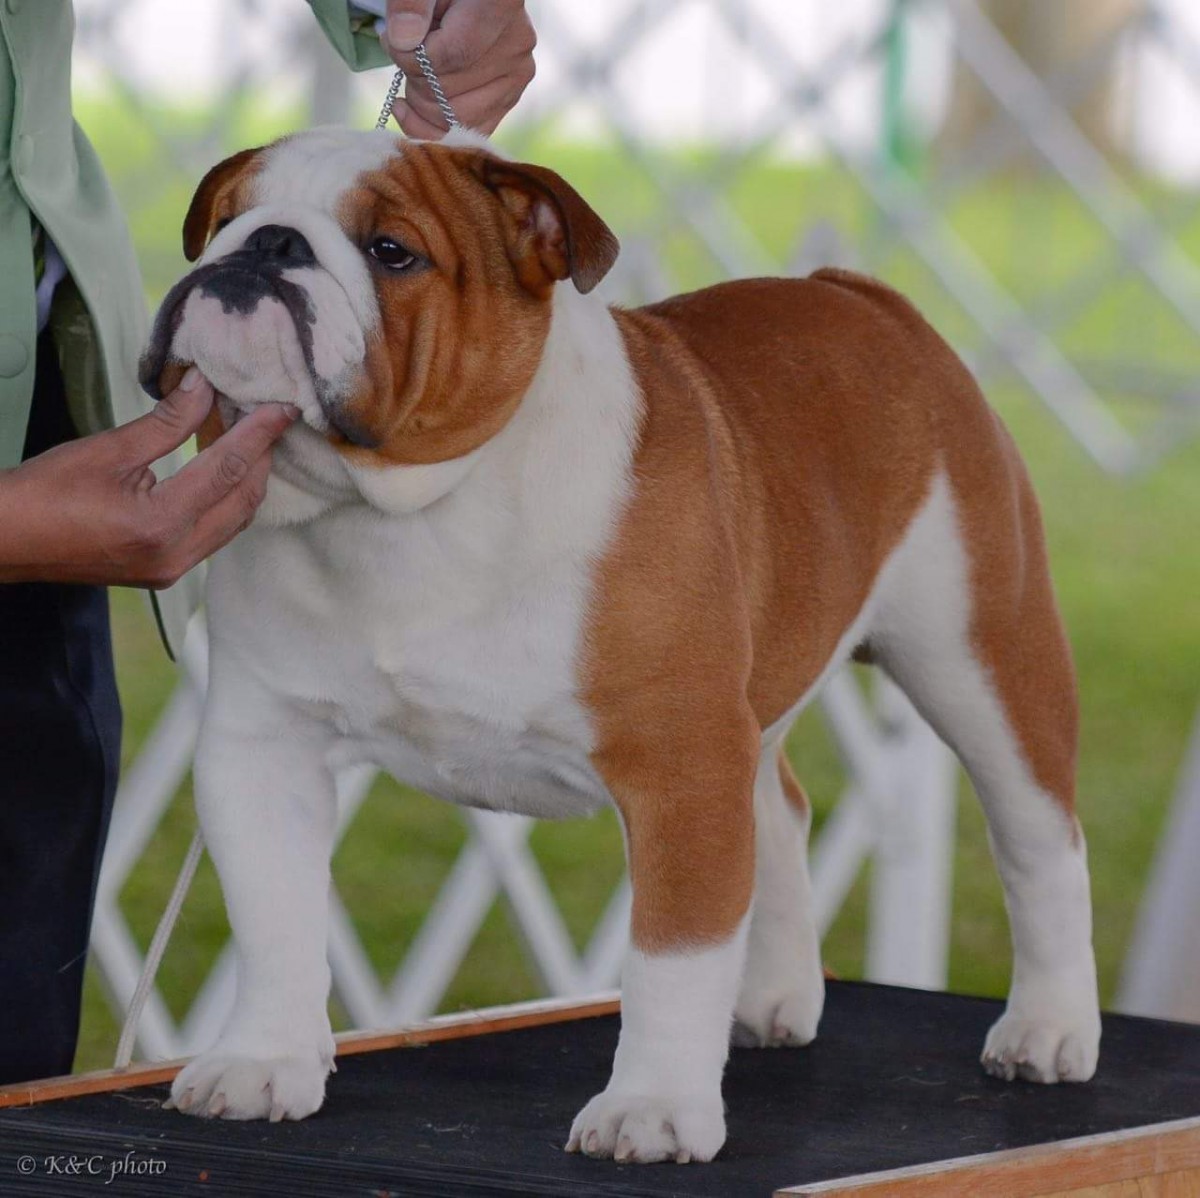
{"x": 892, "y": 1081}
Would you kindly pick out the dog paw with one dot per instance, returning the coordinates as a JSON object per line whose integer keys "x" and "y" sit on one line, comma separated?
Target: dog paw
{"x": 773, "y": 1018}
{"x": 644, "y": 1128}
{"x": 227, "y": 1086}
{"x": 1042, "y": 1050}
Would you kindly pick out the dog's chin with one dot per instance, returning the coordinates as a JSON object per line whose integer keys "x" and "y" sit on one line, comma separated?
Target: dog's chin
{"x": 249, "y": 359}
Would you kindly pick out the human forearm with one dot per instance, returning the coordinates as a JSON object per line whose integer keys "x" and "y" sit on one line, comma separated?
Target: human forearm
{"x": 92, "y": 510}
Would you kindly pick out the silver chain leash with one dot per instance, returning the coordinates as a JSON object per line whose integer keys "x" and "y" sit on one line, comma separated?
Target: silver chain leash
{"x": 435, "y": 86}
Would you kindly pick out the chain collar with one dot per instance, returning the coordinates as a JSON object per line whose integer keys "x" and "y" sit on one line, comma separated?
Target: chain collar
{"x": 435, "y": 86}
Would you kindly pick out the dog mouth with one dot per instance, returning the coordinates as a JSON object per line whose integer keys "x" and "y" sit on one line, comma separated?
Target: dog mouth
{"x": 240, "y": 285}
{"x": 251, "y": 326}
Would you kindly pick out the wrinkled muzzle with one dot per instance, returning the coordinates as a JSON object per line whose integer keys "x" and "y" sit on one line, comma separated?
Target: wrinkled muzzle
{"x": 265, "y": 324}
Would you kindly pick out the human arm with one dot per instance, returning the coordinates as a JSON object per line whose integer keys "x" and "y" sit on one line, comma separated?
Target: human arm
{"x": 92, "y": 510}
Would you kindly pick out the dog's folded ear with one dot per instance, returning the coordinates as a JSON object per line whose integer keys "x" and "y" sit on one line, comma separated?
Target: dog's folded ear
{"x": 212, "y": 202}
{"x": 557, "y": 235}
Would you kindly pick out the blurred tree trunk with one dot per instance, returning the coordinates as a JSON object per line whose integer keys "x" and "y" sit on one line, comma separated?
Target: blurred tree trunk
{"x": 1049, "y": 35}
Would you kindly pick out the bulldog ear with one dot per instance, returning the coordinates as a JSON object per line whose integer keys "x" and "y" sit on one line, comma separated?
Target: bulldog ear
{"x": 214, "y": 190}
{"x": 556, "y": 230}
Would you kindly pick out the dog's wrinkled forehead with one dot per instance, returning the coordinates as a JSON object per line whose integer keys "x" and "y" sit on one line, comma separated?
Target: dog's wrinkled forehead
{"x": 314, "y": 170}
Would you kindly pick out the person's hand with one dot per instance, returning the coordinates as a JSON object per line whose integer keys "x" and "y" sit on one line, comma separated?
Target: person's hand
{"x": 92, "y": 511}
{"x": 480, "y": 50}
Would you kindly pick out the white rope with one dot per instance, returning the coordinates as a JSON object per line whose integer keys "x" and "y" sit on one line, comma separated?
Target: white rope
{"x": 154, "y": 954}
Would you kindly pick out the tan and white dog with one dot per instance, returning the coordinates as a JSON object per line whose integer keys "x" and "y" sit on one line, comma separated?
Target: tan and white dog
{"x": 531, "y": 553}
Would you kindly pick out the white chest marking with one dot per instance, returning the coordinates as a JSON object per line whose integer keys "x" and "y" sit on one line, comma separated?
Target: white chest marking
{"x": 435, "y": 628}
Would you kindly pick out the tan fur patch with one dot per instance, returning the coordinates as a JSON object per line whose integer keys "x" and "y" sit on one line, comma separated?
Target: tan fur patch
{"x": 221, "y": 196}
{"x": 212, "y": 428}
{"x": 1016, "y": 629}
{"x": 792, "y": 431}
{"x": 438, "y": 381}
{"x": 171, "y": 376}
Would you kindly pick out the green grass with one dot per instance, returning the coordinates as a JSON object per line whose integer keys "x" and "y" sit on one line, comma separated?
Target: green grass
{"x": 1123, "y": 553}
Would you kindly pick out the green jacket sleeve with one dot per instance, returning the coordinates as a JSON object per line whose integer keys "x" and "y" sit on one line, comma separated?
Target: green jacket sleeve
{"x": 351, "y": 32}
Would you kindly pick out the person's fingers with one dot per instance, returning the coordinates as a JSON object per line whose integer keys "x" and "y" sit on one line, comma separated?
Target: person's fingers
{"x": 481, "y": 108}
{"x": 166, "y": 426}
{"x": 216, "y": 471}
{"x": 225, "y": 519}
{"x": 416, "y": 125}
{"x": 485, "y": 107}
{"x": 482, "y": 53}
{"x": 469, "y": 29}
{"x": 475, "y": 41}
{"x": 408, "y": 22}
{"x": 478, "y": 74}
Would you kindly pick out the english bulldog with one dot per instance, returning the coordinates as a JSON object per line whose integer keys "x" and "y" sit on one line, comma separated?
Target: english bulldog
{"x": 529, "y": 552}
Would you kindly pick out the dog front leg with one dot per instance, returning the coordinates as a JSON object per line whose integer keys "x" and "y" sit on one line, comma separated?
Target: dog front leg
{"x": 267, "y": 807}
{"x": 690, "y": 837}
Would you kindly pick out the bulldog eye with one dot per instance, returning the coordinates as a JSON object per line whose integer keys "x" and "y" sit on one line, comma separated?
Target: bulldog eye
{"x": 390, "y": 253}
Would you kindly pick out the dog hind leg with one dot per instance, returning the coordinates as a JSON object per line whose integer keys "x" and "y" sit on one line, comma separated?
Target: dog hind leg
{"x": 969, "y": 629}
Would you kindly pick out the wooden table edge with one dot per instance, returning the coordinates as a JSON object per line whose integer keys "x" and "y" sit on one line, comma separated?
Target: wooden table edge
{"x": 461, "y": 1024}
{"x": 1051, "y": 1168}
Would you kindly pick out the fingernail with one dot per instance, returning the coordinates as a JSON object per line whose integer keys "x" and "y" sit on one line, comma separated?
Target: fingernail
{"x": 292, "y": 410}
{"x": 405, "y": 31}
{"x": 191, "y": 379}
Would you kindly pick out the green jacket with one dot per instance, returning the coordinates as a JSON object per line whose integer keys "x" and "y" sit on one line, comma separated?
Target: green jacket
{"x": 351, "y": 33}
{"x": 48, "y": 171}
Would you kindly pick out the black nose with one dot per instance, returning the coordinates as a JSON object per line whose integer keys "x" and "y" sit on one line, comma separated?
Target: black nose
{"x": 280, "y": 243}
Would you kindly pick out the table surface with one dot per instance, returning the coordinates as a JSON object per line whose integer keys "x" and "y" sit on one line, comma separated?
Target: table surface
{"x": 893, "y": 1080}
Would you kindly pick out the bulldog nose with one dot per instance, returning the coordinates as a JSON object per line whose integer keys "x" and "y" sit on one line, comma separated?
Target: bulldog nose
{"x": 282, "y": 244}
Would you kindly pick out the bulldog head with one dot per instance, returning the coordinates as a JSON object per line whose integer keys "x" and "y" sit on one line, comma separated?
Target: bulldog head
{"x": 397, "y": 292}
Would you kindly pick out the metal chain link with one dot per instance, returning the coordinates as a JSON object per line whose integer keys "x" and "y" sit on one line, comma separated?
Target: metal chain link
{"x": 385, "y": 113}
{"x": 435, "y": 86}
